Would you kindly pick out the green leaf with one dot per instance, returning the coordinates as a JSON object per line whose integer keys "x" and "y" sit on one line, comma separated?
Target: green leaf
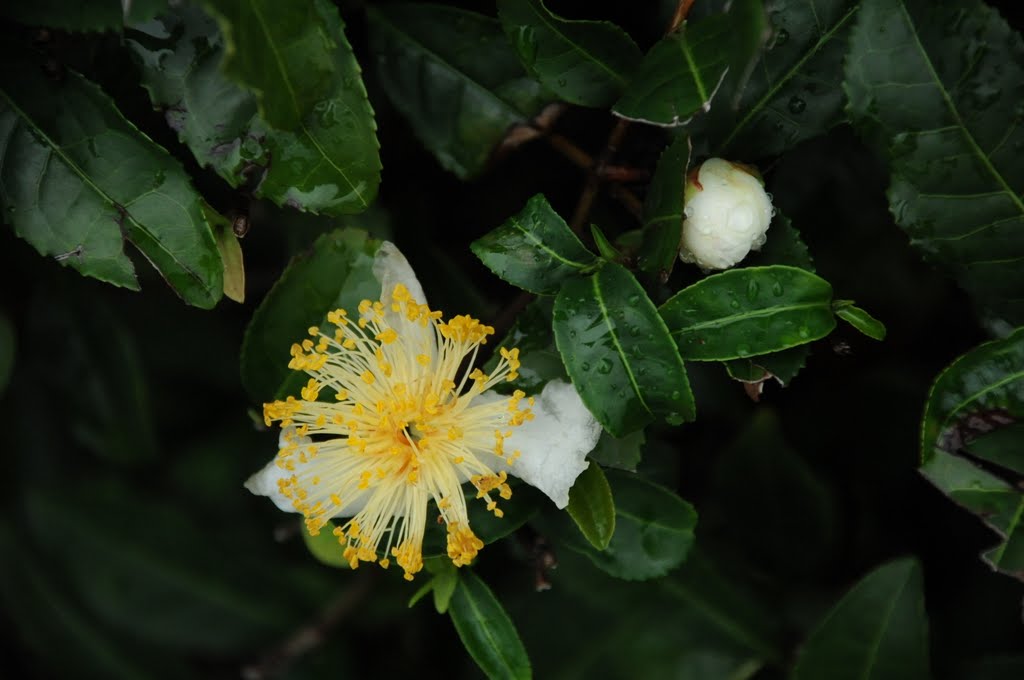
{"x": 623, "y": 454}
{"x": 486, "y": 631}
{"x": 336, "y": 272}
{"x": 878, "y": 631}
{"x": 940, "y": 88}
{"x": 325, "y": 547}
{"x": 784, "y": 246}
{"x": 445, "y": 581}
{"x": 87, "y": 15}
{"x": 663, "y": 210}
{"x": 584, "y": 62}
{"x": 333, "y": 165}
{"x": 604, "y": 246}
{"x": 1003, "y": 446}
{"x": 653, "y": 530}
{"x": 681, "y": 74}
{"x": 750, "y": 311}
{"x": 67, "y": 139}
{"x": 591, "y": 506}
{"x": 981, "y": 391}
{"x": 281, "y": 51}
{"x": 454, "y": 76}
{"x": 794, "y": 91}
{"x": 988, "y": 378}
{"x": 782, "y": 365}
{"x": 859, "y": 319}
{"x": 619, "y": 353}
{"x": 535, "y": 250}
{"x": 531, "y": 334}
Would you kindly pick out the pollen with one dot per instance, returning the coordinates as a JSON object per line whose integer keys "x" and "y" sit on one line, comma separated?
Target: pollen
{"x": 400, "y": 425}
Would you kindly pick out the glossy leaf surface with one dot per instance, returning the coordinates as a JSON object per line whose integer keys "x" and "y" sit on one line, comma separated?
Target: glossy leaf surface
{"x": 486, "y": 631}
{"x": 78, "y": 180}
{"x": 534, "y": 250}
{"x": 583, "y": 62}
{"x": 750, "y": 311}
{"x": 618, "y": 352}
{"x": 592, "y": 507}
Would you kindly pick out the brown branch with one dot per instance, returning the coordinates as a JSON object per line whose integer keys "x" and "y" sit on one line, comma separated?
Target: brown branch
{"x": 682, "y": 9}
{"x": 586, "y": 200}
{"x": 314, "y": 633}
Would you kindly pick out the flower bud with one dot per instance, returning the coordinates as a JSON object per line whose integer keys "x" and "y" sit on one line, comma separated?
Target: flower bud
{"x": 727, "y": 214}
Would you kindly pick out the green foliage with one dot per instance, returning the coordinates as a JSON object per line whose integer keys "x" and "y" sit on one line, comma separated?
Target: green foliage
{"x": 337, "y": 272}
{"x": 486, "y": 630}
{"x": 69, "y": 140}
{"x": 455, "y": 77}
{"x": 745, "y": 312}
{"x": 859, "y": 319}
{"x": 535, "y": 250}
{"x": 877, "y": 631}
{"x": 583, "y": 62}
{"x": 592, "y": 507}
{"x": 981, "y": 392}
{"x": 618, "y": 352}
{"x": 663, "y": 209}
{"x": 949, "y": 120}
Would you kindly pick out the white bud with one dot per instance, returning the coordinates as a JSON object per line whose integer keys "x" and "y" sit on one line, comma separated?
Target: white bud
{"x": 727, "y": 214}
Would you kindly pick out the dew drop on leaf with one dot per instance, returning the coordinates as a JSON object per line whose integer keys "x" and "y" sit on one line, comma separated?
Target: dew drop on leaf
{"x": 777, "y": 289}
{"x": 797, "y": 105}
{"x": 753, "y": 288}
{"x": 604, "y": 367}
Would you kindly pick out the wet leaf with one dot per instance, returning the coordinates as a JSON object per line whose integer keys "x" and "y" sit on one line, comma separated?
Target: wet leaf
{"x": 584, "y": 62}
{"x": 623, "y": 454}
{"x": 454, "y": 76}
{"x": 749, "y": 311}
{"x": 860, "y": 319}
{"x": 618, "y": 352}
{"x": 663, "y": 210}
{"x": 591, "y": 506}
{"x": 940, "y": 89}
{"x": 534, "y": 250}
{"x": 68, "y": 139}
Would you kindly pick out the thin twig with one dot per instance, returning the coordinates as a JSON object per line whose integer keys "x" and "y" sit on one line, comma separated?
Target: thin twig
{"x": 682, "y": 9}
{"x": 314, "y": 633}
{"x": 586, "y": 200}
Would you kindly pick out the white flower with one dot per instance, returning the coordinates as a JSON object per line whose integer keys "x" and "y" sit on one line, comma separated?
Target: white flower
{"x": 727, "y": 214}
{"x": 388, "y": 422}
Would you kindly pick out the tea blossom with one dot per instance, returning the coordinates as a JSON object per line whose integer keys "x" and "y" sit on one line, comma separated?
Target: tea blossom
{"x": 394, "y": 416}
{"x": 727, "y": 213}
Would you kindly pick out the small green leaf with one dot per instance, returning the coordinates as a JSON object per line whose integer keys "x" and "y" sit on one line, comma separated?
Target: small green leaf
{"x": 454, "y": 76}
{"x": 604, "y": 246}
{"x": 859, "y": 319}
{"x": 445, "y": 581}
{"x": 878, "y": 631}
{"x": 486, "y": 631}
{"x": 88, "y": 15}
{"x": 663, "y": 210}
{"x": 584, "y": 62}
{"x": 336, "y": 272}
{"x": 681, "y": 74}
{"x": 939, "y": 88}
{"x": 325, "y": 547}
{"x": 750, "y": 311}
{"x": 619, "y": 353}
{"x": 653, "y": 530}
{"x": 622, "y": 454}
{"x": 591, "y": 506}
{"x": 535, "y": 250}
{"x": 68, "y": 139}
{"x": 281, "y": 51}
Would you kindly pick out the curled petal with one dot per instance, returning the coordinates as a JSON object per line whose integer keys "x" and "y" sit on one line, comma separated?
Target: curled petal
{"x": 390, "y": 268}
{"x": 554, "y": 445}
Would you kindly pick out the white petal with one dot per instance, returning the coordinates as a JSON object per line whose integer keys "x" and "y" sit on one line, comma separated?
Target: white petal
{"x": 265, "y": 482}
{"x": 390, "y": 267}
{"x": 554, "y": 445}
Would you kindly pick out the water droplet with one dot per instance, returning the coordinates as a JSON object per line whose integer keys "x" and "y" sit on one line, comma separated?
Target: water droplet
{"x": 561, "y": 82}
{"x": 743, "y": 350}
{"x": 634, "y": 300}
{"x": 753, "y": 288}
{"x": 674, "y": 419}
{"x": 777, "y": 289}
{"x": 585, "y": 366}
{"x": 735, "y": 304}
{"x": 572, "y": 334}
{"x": 604, "y": 367}
{"x": 781, "y": 37}
{"x": 804, "y": 332}
{"x": 797, "y": 105}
